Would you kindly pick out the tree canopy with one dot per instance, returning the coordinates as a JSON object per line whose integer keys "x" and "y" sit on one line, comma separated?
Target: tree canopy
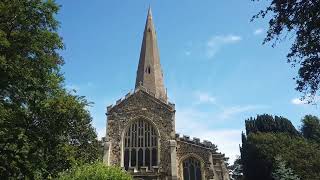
{"x": 311, "y": 128}
{"x": 263, "y": 144}
{"x": 44, "y": 129}
{"x": 268, "y": 123}
{"x": 299, "y": 20}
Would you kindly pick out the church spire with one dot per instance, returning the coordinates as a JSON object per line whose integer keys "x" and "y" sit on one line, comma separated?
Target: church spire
{"x": 149, "y": 73}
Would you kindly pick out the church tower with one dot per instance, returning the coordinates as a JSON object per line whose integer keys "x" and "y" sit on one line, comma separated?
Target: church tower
{"x": 140, "y": 134}
{"x": 149, "y": 72}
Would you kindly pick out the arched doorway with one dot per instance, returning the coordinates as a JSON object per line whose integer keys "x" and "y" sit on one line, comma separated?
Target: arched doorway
{"x": 140, "y": 144}
{"x": 191, "y": 169}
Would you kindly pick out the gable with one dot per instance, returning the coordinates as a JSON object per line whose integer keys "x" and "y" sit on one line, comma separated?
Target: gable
{"x": 140, "y": 99}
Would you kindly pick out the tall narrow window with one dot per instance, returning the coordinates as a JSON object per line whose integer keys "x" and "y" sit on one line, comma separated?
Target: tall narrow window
{"x": 126, "y": 159}
{"x": 140, "y": 145}
{"x": 191, "y": 169}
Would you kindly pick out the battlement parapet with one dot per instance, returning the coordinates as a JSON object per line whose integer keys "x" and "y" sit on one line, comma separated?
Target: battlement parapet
{"x": 196, "y": 141}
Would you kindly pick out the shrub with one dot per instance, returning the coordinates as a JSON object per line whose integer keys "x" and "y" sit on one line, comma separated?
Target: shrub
{"x": 96, "y": 171}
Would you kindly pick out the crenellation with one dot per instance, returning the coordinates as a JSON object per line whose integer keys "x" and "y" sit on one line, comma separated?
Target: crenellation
{"x": 186, "y": 138}
{"x": 128, "y": 95}
{"x": 171, "y": 104}
{"x": 118, "y": 101}
{"x": 196, "y": 140}
{"x": 207, "y": 143}
{"x": 177, "y": 135}
{"x": 109, "y": 108}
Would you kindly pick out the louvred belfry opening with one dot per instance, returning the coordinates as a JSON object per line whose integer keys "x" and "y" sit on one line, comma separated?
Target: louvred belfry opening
{"x": 149, "y": 73}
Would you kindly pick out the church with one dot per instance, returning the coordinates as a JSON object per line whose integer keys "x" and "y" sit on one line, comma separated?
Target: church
{"x": 141, "y": 136}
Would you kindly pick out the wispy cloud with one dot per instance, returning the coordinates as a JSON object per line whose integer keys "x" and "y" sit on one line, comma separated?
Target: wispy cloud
{"x": 258, "y": 31}
{"x": 234, "y": 110}
{"x": 216, "y": 42}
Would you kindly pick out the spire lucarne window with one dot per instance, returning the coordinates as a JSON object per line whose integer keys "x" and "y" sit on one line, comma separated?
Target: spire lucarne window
{"x": 140, "y": 145}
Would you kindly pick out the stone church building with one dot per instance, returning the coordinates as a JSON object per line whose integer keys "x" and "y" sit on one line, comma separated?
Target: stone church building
{"x": 141, "y": 136}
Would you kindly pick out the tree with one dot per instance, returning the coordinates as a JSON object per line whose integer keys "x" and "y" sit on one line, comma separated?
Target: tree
{"x": 301, "y": 20}
{"x": 95, "y": 171}
{"x": 281, "y": 172}
{"x": 267, "y": 138}
{"x": 237, "y": 170}
{"x": 268, "y": 123}
{"x": 44, "y": 129}
{"x": 311, "y": 128}
{"x": 259, "y": 150}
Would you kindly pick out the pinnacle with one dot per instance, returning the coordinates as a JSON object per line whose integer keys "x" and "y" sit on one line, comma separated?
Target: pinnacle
{"x": 149, "y": 11}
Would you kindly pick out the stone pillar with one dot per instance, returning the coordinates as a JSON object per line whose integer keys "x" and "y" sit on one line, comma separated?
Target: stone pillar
{"x": 212, "y": 165}
{"x": 225, "y": 171}
{"x": 106, "y": 154}
{"x": 173, "y": 153}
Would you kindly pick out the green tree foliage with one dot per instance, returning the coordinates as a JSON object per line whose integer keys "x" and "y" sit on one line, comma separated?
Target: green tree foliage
{"x": 260, "y": 149}
{"x": 311, "y": 128}
{"x": 301, "y": 20}
{"x": 281, "y": 172}
{"x": 96, "y": 171}
{"x": 268, "y": 123}
{"x": 43, "y": 128}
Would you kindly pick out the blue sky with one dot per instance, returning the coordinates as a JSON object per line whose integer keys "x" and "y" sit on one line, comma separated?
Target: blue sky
{"x": 216, "y": 69}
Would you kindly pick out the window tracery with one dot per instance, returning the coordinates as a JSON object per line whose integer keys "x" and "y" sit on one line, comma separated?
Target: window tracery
{"x": 140, "y": 145}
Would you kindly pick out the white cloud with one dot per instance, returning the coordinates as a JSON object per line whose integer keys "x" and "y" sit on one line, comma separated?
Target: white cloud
{"x": 309, "y": 99}
{"x": 216, "y": 42}
{"x": 198, "y": 123}
{"x": 204, "y": 97}
{"x": 195, "y": 123}
{"x": 258, "y": 31}
{"x": 297, "y": 101}
{"x": 101, "y": 132}
{"x": 227, "y": 140}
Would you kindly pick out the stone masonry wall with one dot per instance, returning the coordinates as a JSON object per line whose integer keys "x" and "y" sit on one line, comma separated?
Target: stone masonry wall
{"x": 141, "y": 105}
{"x": 212, "y": 162}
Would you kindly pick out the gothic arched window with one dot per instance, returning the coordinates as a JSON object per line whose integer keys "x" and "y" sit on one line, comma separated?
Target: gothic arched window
{"x": 140, "y": 145}
{"x": 191, "y": 169}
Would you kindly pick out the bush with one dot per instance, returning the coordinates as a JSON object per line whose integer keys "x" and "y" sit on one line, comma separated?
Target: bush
{"x": 96, "y": 171}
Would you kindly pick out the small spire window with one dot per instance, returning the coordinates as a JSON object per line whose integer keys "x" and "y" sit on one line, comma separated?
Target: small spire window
{"x": 148, "y": 70}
